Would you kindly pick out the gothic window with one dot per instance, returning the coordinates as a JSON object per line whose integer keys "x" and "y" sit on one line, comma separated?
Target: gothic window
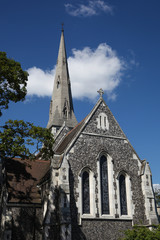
{"x": 85, "y": 193}
{"x": 123, "y": 197}
{"x": 65, "y": 111}
{"x": 104, "y": 185}
{"x": 102, "y": 121}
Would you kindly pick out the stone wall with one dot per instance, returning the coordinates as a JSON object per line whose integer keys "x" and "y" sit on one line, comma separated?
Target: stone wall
{"x": 26, "y": 223}
{"x": 104, "y": 229}
{"x": 85, "y": 152}
{"x": 158, "y": 212}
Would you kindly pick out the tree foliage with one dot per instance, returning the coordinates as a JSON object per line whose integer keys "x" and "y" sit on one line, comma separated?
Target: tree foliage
{"x": 13, "y": 81}
{"x": 17, "y": 138}
{"x": 142, "y": 233}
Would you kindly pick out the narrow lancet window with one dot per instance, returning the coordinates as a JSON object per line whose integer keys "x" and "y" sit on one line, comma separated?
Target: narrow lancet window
{"x": 65, "y": 112}
{"x": 104, "y": 185}
{"x": 85, "y": 193}
{"x": 123, "y": 197}
{"x": 100, "y": 119}
{"x": 105, "y": 121}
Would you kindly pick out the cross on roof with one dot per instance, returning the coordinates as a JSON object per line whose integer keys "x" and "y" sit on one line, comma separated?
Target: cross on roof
{"x": 101, "y": 92}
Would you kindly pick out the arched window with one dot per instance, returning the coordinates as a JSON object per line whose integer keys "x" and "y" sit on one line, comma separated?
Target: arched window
{"x": 85, "y": 193}
{"x": 104, "y": 185}
{"x": 102, "y": 121}
{"x": 65, "y": 111}
{"x": 123, "y": 197}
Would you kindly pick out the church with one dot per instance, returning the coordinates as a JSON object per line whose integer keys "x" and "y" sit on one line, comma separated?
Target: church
{"x": 94, "y": 187}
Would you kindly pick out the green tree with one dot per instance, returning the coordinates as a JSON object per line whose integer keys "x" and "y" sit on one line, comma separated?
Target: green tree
{"x": 13, "y": 81}
{"x": 142, "y": 233}
{"x": 17, "y": 137}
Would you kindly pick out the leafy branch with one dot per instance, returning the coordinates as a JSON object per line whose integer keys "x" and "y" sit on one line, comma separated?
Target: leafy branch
{"x": 17, "y": 137}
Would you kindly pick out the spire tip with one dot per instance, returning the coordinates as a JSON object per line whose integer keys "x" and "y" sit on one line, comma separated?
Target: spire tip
{"x": 62, "y": 27}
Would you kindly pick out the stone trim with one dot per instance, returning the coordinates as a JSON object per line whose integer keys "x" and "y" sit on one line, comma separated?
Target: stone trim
{"x": 109, "y": 218}
{"x": 101, "y": 135}
{"x": 92, "y": 194}
{"x": 115, "y": 137}
{"x": 102, "y": 121}
{"x": 130, "y": 206}
{"x": 147, "y": 189}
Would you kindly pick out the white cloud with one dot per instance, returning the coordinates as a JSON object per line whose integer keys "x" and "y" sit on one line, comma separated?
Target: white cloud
{"x": 91, "y": 9}
{"x": 89, "y": 70}
{"x": 40, "y": 82}
{"x": 94, "y": 69}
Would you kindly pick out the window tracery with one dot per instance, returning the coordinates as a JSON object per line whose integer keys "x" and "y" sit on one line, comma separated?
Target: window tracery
{"x": 104, "y": 185}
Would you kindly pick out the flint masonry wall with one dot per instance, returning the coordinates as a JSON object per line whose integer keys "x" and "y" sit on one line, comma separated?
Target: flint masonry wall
{"x": 26, "y": 223}
{"x": 84, "y": 153}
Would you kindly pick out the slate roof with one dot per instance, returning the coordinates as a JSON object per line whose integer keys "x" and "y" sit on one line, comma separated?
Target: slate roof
{"x": 22, "y": 177}
{"x": 68, "y": 138}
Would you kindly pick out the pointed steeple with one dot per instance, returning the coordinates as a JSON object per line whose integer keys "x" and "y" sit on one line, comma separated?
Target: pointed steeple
{"x": 61, "y": 106}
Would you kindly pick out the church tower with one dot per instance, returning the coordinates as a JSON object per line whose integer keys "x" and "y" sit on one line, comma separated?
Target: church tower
{"x": 61, "y": 106}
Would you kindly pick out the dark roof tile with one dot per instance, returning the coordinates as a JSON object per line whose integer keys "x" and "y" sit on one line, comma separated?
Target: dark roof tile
{"x": 68, "y": 138}
{"x": 22, "y": 177}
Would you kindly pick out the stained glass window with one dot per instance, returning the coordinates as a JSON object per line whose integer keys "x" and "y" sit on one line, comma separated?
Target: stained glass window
{"x": 123, "y": 198}
{"x": 85, "y": 193}
{"x": 104, "y": 185}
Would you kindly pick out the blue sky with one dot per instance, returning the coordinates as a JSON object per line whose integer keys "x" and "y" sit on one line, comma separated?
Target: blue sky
{"x": 122, "y": 36}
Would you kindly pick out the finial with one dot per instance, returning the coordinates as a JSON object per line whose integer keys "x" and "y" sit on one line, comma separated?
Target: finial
{"x": 62, "y": 27}
{"x": 101, "y": 92}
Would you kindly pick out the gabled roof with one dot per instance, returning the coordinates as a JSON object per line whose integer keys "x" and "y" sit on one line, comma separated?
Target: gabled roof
{"x": 143, "y": 167}
{"x": 22, "y": 177}
{"x": 71, "y": 137}
{"x": 75, "y": 132}
{"x": 58, "y": 133}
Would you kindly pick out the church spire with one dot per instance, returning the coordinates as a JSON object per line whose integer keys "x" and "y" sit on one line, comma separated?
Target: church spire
{"x": 61, "y": 107}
